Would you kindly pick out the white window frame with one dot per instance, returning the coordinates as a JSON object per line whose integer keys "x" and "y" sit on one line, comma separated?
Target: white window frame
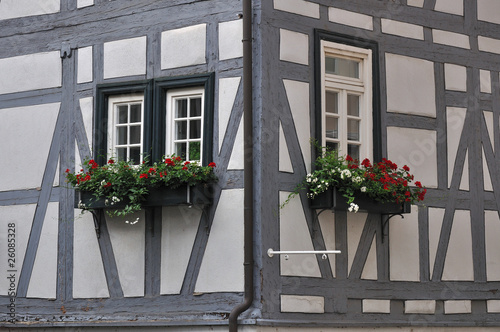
{"x": 172, "y": 96}
{"x": 344, "y": 85}
{"x": 113, "y": 103}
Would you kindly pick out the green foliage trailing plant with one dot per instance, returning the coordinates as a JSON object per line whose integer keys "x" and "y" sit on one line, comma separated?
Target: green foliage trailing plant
{"x": 124, "y": 186}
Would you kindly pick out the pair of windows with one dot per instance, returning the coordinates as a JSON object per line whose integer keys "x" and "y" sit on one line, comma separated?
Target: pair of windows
{"x": 155, "y": 118}
{"x": 349, "y": 112}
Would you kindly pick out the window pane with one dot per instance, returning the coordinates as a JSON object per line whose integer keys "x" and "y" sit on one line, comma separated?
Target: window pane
{"x": 332, "y": 102}
{"x": 180, "y": 149}
{"x": 332, "y": 127}
{"x": 353, "y": 130}
{"x": 135, "y": 134}
{"x": 353, "y": 105}
{"x": 342, "y": 67}
{"x": 195, "y": 107}
{"x": 195, "y": 129}
{"x": 135, "y": 155}
{"x": 121, "y": 133}
{"x": 332, "y": 146}
{"x": 353, "y": 151}
{"x": 123, "y": 114}
{"x": 135, "y": 113}
{"x": 121, "y": 153}
{"x": 181, "y": 108}
{"x": 194, "y": 151}
{"x": 181, "y": 130}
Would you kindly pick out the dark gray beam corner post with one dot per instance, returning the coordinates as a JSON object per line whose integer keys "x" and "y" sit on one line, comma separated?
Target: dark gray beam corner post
{"x": 248, "y": 167}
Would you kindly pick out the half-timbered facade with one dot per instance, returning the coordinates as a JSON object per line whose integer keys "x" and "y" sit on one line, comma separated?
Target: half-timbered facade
{"x": 415, "y": 81}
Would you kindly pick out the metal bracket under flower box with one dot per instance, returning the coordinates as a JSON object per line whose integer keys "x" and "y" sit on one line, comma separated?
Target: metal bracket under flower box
{"x": 183, "y": 195}
{"x": 332, "y": 199}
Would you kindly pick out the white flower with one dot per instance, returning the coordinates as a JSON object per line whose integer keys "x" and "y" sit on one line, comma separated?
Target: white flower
{"x": 357, "y": 179}
{"x": 363, "y": 189}
{"x": 353, "y": 207}
{"x": 103, "y": 183}
{"x": 106, "y": 202}
{"x": 135, "y": 222}
{"x": 345, "y": 174}
{"x": 81, "y": 205}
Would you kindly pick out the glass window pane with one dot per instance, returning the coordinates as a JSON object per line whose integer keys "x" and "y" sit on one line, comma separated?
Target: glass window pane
{"x": 122, "y": 114}
{"x": 135, "y": 113}
{"x": 121, "y": 153}
{"x": 135, "y": 155}
{"x": 332, "y": 127}
{"x": 181, "y": 108}
{"x": 353, "y": 151}
{"x": 353, "y": 130}
{"x": 195, "y": 129}
{"x": 181, "y": 130}
{"x": 194, "y": 151}
{"x": 135, "y": 134}
{"x": 180, "y": 149}
{"x": 195, "y": 107}
{"x": 332, "y": 102}
{"x": 342, "y": 67}
{"x": 332, "y": 146}
{"x": 121, "y": 135}
{"x": 353, "y": 105}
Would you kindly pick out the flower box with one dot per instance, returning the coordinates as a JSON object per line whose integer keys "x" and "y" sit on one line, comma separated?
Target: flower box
{"x": 333, "y": 199}
{"x": 184, "y": 195}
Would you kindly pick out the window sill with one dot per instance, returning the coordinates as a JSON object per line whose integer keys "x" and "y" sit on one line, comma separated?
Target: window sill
{"x": 333, "y": 200}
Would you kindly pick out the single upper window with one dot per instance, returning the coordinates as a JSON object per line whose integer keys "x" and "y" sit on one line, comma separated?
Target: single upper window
{"x": 346, "y": 99}
{"x": 126, "y": 127}
{"x": 184, "y": 127}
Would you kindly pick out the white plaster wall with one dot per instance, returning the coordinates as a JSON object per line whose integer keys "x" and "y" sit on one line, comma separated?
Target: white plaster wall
{"x": 125, "y": 57}
{"x": 87, "y": 108}
{"x": 457, "y": 307}
{"x": 404, "y": 247}
{"x": 294, "y": 235}
{"x": 370, "y": 268}
{"x": 298, "y": 99}
{"x": 230, "y": 40}
{"x": 355, "y": 225}
{"x": 285, "y": 163}
{"x": 300, "y": 7}
{"x": 301, "y": 303}
{"x": 436, "y": 216}
{"x": 222, "y": 266}
{"x": 327, "y": 224}
{"x": 36, "y": 123}
{"x": 415, "y": 148}
{"x": 22, "y": 8}
{"x": 89, "y": 280}
{"x": 22, "y": 217}
{"x": 183, "y": 47}
{"x": 236, "y": 161}
{"x": 450, "y": 38}
{"x": 30, "y": 72}
{"x": 179, "y": 228}
{"x": 85, "y": 65}
{"x": 492, "y": 234}
{"x": 426, "y": 307}
{"x": 488, "y": 117}
{"x": 376, "y": 306}
{"x": 228, "y": 88}
{"x": 485, "y": 79}
{"x": 455, "y": 77}
{"x": 294, "y": 47}
{"x": 458, "y": 263}
{"x": 455, "y": 119}
{"x": 84, "y": 3}
{"x": 410, "y": 85}
{"x": 353, "y": 19}
{"x": 128, "y": 243}
{"x": 416, "y": 3}
{"x": 402, "y": 29}
{"x": 43, "y": 282}
{"x": 487, "y": 44}
{"x": 488, "y": 10}
{"x": 455, "y": 7}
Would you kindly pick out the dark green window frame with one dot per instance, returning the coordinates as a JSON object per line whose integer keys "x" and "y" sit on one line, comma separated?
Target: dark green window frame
{"x": 320, "y": 35}
{"x": 155, "y": 92}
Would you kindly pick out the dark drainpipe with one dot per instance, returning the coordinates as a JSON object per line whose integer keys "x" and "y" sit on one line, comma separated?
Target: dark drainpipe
{"x": 248, "y": 167}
